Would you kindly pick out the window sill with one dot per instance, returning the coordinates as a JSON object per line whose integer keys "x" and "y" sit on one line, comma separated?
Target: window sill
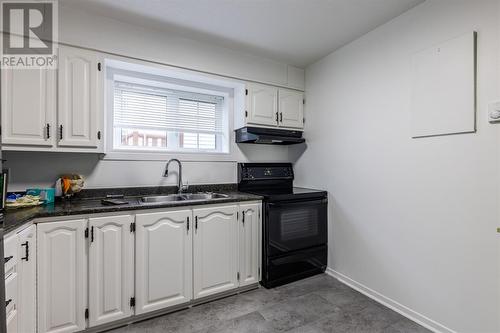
{"x": 155, "y": 156}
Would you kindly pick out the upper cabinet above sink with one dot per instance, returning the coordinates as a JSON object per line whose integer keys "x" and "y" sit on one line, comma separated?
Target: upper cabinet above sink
{"x": 272, "y": 107}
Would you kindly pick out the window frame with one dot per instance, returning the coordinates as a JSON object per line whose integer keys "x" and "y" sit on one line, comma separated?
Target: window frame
{"x": 207, "y": 84}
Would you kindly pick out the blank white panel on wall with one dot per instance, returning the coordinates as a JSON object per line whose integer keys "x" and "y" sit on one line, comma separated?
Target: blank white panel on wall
{"x": 444, "y": 88}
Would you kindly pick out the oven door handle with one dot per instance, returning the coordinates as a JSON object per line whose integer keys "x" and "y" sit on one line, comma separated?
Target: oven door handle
{"x": 305, "y": 202}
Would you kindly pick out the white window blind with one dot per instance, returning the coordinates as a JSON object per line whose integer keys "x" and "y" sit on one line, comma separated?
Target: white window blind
{"x": 143, "y": 107}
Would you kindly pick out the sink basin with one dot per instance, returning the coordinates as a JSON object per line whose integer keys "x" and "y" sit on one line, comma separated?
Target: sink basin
{"x": 204, "y": 196}
{"x": 182, "y": 197}
{"x": 162, "y": 198}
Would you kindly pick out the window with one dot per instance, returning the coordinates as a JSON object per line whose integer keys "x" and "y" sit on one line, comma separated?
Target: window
{"x": 156, "y": 116}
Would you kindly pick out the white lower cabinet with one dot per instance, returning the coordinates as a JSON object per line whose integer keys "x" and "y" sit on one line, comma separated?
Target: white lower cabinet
{"x": 62, "y": 276}
{"x": 163, "y": 260}
{"x": 85, "y": 272}
{"x": 27, "y": 280}
{"x": 215, "y": 251}
{"x": 11, "y": 303}
{"x": 20, "y": 281}
{"x": 111, "y": 268}
{"x": 249, "y": 240}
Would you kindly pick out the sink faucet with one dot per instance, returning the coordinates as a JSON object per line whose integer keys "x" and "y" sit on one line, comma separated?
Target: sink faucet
{"x": 181, "y": 188}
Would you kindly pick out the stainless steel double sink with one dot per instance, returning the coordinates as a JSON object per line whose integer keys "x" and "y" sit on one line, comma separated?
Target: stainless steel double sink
{"x": 182, "y": 197}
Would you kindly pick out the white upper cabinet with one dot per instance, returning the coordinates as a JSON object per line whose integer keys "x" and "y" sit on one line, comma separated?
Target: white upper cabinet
{"x": 249, "y": 240}
{"x": 291, "y": 109}
{"x": 80, "y": 98}
{"x": 262, "y": 105}
{"x": 28, "y": 106}
{"x": 215, "y": 250}
{"x": 55, "y": 110}
{"x": 268, "y": 106}
{"x": 111, "y": 268}
{"x": 27, "y": 280}
{"x": 163, "y": 260}
{"x": 62, "y": 276}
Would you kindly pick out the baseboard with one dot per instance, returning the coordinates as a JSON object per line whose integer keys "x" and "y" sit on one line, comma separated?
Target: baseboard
{"x": 390, "y": 303}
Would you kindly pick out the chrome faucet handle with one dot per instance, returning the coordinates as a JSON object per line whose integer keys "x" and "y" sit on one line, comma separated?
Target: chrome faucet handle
{"x": 184, "y": 188}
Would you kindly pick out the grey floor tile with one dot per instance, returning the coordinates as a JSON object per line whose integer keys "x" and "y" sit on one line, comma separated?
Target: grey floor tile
{"x": 297, "y": 311}
{"x": 379, "y": 315}
{"x": 318, "y": 304}
{"x": 184, "y": 321}
{"x": 249, "y": 323}
{"x": 191, "y": 320}
{"x": 312, "y": 284}
{"x": 406, "y": 326}
{"x": 347, "y": 300}
{"x": 245, "y": 303}
{"x": 342, "y": 322}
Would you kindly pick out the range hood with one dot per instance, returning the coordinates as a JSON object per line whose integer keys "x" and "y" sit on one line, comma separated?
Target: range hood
{"x": 270, "y": 136}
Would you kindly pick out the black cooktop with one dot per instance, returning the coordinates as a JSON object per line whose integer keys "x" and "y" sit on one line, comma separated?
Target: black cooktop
{"x": 290, "y": 193}
{"x": 273, "y": 181}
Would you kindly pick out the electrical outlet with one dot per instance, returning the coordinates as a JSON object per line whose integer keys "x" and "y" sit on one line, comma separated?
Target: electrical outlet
{"x": 494, "y": 112}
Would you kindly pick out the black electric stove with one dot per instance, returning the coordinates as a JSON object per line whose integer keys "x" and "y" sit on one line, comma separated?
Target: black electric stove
{"x": 287, "y": 194}
{"x": 295, "y": 222}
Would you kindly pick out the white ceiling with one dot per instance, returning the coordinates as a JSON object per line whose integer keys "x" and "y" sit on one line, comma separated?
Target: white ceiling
{"x": 298, "y": 32}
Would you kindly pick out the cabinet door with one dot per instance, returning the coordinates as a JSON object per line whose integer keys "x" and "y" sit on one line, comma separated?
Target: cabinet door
{"x": 163, "y": 260}
{"x": 28, "y": 106}
{"x": 12, "y": 303}
{"x": 80, "y": 106}
{"x": 291, "y": 108}
{"x": 111, "y": 268}
{"x": 215, "y": 244}
{"x": 27, "y": 280}
{"x": 249, "y": 242}
{"x": 62, "y": 276}
{"x": 262, "y": 105}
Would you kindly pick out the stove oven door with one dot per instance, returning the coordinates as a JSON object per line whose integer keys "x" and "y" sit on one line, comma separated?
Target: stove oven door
{"x": 295, "y": 225}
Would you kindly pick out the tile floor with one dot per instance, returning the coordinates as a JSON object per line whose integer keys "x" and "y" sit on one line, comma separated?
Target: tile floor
{"x": 317, "y": 304}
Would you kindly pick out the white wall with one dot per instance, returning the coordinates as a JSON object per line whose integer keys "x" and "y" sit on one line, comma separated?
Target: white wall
{"x": 89, "y": 30}
{"x": 412, "y": 219}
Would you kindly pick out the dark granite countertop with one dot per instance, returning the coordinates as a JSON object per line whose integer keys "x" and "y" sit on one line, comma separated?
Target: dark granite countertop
{"x": 87, "y": 203}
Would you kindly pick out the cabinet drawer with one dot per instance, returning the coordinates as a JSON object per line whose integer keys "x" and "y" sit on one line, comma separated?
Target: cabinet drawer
{"x": 11, "y": 295}
{"x": 11, "y": 255}
{"x": 12, "y": 323}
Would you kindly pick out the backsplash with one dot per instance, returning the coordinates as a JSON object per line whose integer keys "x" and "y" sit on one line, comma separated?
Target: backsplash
{"x": 44, "y": 168}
